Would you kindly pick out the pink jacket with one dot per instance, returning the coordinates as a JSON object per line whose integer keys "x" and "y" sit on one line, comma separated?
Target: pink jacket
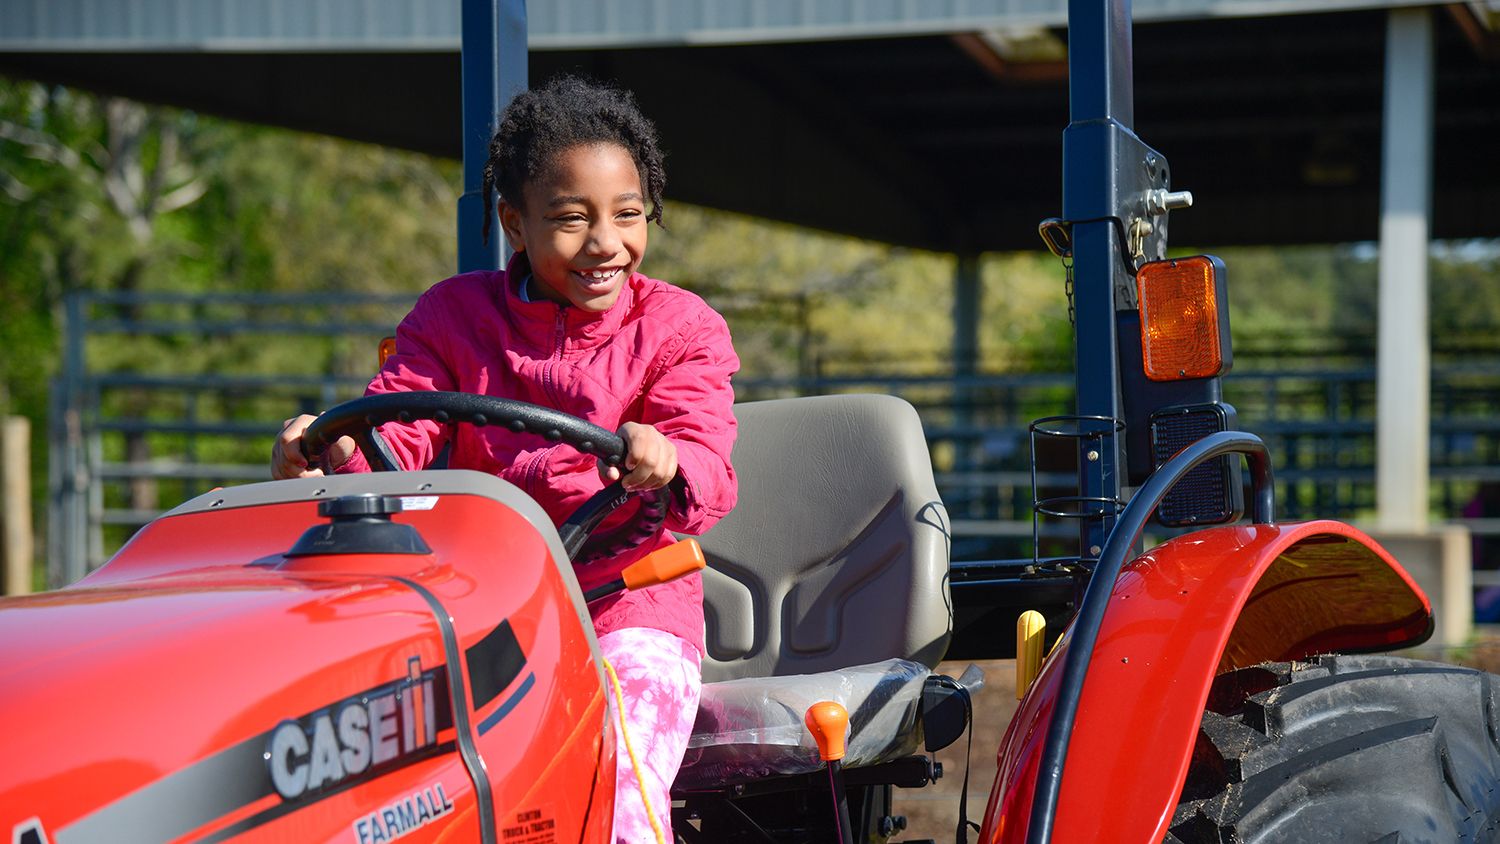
{"x": 659, "y": 356}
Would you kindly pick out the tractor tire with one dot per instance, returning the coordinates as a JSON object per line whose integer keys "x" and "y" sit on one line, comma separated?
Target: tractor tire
{"x": 1345, "y": 749}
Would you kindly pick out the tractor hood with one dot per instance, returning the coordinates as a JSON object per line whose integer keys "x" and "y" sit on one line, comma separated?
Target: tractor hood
{"x": 145, "y": 698}
{"x": 238, "y": 661}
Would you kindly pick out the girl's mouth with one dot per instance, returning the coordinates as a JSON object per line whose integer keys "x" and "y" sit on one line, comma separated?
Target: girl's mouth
{"x": 597, "y": 277}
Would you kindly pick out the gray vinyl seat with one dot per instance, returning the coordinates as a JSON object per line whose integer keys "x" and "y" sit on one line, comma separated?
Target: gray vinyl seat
{"x": 836, "y": 556}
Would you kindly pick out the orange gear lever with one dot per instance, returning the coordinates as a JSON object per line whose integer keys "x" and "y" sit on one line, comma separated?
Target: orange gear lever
{"x": 664, "y": 564}
{"x": 828, "y": 721}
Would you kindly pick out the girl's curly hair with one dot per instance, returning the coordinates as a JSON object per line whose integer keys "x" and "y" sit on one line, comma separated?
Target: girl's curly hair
{"x": 566, "y": 112}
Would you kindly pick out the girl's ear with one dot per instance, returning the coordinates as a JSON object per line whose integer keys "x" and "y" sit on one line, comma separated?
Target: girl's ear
{"x": 510, "y": 221}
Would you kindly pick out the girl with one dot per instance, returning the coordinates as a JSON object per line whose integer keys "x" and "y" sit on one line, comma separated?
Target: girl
{"x": 571, "y": 324}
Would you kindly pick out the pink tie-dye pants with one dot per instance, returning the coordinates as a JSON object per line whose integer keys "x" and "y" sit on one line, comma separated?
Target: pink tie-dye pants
{"x": 660, "y": 681}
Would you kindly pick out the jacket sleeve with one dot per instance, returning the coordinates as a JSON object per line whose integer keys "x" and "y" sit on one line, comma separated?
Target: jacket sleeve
{"x": 418, "y": 364}
{"x": 691, "y": 402}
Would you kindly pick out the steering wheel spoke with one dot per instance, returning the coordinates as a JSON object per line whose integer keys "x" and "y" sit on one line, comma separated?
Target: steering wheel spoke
{"x": 585, "y": 544}
{"x": 377, "y": 451}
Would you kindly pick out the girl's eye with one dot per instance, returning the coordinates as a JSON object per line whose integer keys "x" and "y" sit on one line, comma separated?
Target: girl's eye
{"x": 628, "y": 214}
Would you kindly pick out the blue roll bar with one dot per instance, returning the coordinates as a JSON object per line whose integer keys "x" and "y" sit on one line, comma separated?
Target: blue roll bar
{"x": 494, "y": 70}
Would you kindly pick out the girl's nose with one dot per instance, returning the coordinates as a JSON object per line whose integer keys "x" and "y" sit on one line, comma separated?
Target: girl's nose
{"x": 603, "y": 241}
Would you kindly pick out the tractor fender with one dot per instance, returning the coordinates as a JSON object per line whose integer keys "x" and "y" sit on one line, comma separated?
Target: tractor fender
{"x": 1179, "y": 615}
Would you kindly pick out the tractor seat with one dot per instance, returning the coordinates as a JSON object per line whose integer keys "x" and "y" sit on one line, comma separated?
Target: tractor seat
{"x": 828, "y": 581}
{"x": 752, "y": 728}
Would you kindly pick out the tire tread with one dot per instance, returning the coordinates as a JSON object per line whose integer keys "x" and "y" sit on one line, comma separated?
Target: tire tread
{"x": 1345, "y": 748}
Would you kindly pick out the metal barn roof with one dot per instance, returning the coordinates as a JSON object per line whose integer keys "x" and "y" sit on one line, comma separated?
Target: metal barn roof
{"x": 395, "y": 25}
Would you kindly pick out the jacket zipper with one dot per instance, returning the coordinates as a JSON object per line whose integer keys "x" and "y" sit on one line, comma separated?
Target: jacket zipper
{"x": 550, "y": 386}
{"x": 548, "y": 380}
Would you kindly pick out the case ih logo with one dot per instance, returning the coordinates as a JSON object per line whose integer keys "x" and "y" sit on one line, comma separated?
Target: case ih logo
{"x": 357, "y": 735}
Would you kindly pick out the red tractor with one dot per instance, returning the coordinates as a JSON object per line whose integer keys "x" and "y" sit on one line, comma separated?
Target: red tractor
{"x": 408, "y": 655}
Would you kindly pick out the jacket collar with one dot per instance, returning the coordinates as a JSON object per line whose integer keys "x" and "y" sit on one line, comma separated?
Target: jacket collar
{"x": 537, "y": 320}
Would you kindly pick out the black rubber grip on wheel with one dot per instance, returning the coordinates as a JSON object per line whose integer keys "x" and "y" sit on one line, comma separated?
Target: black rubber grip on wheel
{"x": 351, "y": 418}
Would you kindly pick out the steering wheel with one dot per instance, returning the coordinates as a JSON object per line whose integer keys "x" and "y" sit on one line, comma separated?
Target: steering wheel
{"x": 362, "y": 417}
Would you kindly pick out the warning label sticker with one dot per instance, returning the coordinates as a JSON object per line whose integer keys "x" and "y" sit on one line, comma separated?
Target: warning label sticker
{"x": 530, "y": 827}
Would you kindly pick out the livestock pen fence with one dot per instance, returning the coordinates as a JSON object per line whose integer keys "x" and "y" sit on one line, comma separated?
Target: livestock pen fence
{"x": 165, "y": 396}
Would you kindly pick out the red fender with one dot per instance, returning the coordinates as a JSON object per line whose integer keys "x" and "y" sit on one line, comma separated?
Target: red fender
{"x": 1192, "y": 608}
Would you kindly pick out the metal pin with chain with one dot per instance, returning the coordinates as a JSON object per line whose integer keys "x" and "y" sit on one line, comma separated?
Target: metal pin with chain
{"x": 1058, "y": 235}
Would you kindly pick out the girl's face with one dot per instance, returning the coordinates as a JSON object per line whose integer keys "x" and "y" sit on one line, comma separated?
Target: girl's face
{"x": 583, "y": 226}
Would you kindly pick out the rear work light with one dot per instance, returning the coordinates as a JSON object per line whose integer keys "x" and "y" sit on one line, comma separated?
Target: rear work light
{"x": 1184, "y": 319}
{"x": 1211, "y": 494}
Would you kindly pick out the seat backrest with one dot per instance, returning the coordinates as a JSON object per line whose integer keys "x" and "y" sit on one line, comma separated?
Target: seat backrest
{"x": 837, "y": 553}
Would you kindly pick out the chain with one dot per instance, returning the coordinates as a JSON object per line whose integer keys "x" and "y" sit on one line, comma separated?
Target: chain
{"x": 1068, "y": 289}
{"x": 1058, "y": 235}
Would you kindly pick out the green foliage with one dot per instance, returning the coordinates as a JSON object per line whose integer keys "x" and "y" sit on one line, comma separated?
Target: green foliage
{"x": 234, "y": 208}
{"x": 815, "y": 303}
{"x": 1301, "y": 304}
{"x": 108, "y": 195}
{"x": 803, "y": 302}
{"x": 1293, "y": 303}
{"x": 1025, "y": 326}
{"x": 1463, "y": 278}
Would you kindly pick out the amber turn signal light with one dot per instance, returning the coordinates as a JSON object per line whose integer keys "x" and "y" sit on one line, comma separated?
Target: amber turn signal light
{"x": 387, "y": 348}
{"x": 1184, "y": 318}
{"x": 664, "y": 564}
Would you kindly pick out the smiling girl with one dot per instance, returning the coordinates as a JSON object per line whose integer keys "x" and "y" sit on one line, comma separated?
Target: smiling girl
{"x": 572, "y": 324}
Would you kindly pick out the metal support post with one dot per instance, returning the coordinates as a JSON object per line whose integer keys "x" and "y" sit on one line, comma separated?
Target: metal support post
{"x": 15, "y": 492}
{"x": 494, "y": 70}
{"x": 1096, "y": 142}
{"x": 1107, "y": 173}
{"x": 68, "y": 528}
{"x": 1101, "y": 82}
{"x": 1402, "y": 391}
{"x": 966, "y": 306}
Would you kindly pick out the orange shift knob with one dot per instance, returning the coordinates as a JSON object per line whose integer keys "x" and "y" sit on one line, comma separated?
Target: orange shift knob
{"x": 828, "y": 721}
{"x": 664, "y": 564}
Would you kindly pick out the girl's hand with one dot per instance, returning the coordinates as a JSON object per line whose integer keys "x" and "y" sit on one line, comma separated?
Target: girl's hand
{"x": 286, "y": 455}
{"x": 650, "y": 459}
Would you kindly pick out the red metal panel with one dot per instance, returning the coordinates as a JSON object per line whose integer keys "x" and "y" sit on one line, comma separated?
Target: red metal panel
{"x": 199, "y": 639}
{"x": 1020, "y": 754}
{"x": 1200, "y": 604}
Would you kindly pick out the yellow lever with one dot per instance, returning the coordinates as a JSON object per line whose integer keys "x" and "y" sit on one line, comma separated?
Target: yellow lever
{"x": 1031, "y": 633}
